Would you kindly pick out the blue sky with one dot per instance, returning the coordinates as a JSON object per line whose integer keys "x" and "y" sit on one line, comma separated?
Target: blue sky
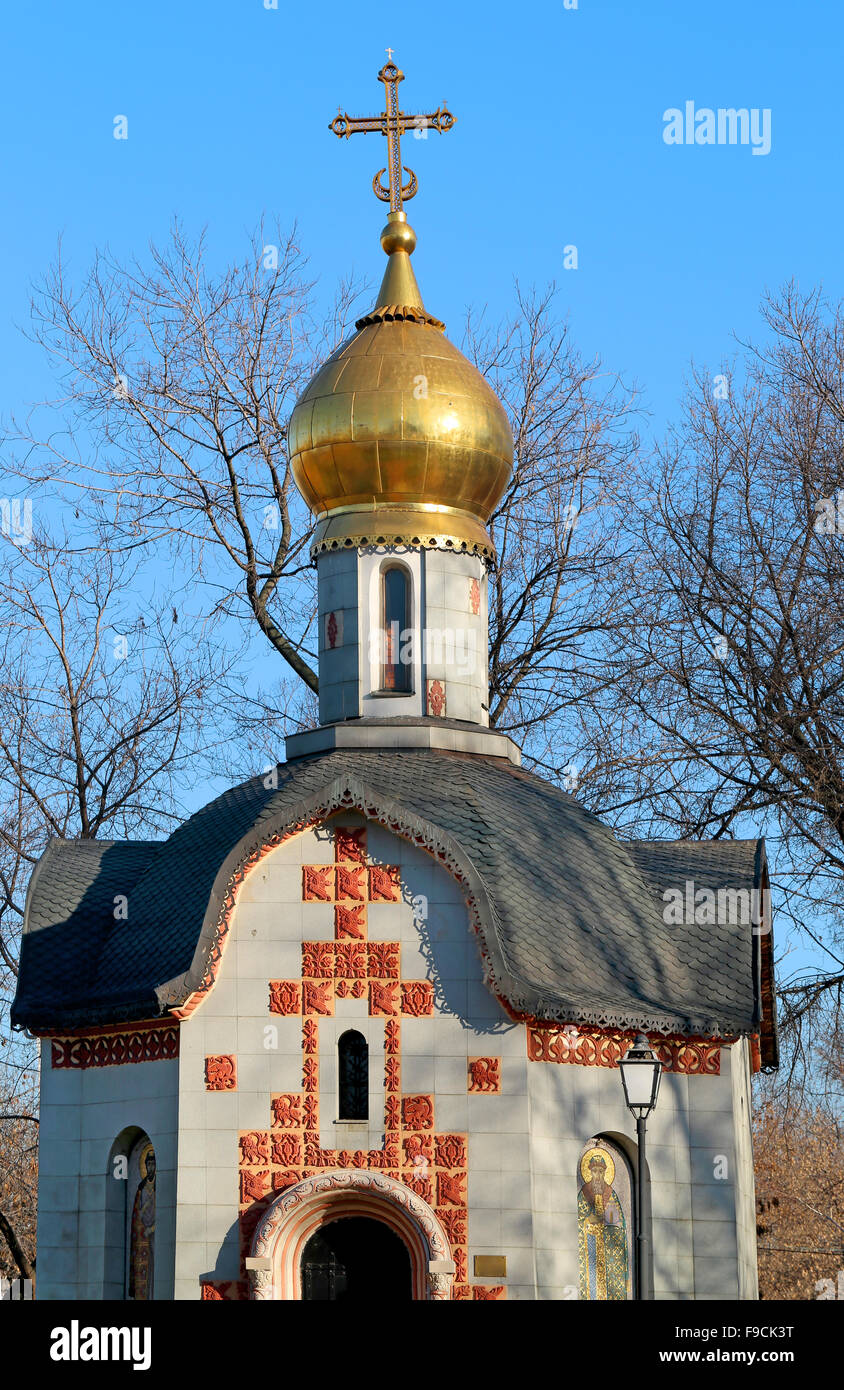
{"x": 558, "y": 142}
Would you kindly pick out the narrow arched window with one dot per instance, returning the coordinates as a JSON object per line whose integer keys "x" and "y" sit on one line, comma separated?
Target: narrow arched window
{"x": 353, "y": 1059}
{"x": 395, "y": 605}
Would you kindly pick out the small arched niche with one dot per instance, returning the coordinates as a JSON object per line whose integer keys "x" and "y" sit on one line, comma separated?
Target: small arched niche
{"x": 605, "y": 1222}
{"x": 129, "y": 1265}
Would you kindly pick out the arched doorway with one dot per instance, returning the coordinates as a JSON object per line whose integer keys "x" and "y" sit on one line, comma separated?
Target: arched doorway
{"x": 340, "y": 1196}
{"x": 344, "y": 1261}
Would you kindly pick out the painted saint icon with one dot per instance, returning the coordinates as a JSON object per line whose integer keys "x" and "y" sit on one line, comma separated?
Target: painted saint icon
{"x": 142, "y": 1240}
{"x": 603, "y": 1227}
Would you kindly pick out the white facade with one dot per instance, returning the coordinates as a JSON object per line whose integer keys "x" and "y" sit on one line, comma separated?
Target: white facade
{"x": 447, "y": 641}
{"x": 522, "y": 1143}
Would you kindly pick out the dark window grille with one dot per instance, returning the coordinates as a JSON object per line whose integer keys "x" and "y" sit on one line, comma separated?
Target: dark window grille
{"x": 354, "y": 1077}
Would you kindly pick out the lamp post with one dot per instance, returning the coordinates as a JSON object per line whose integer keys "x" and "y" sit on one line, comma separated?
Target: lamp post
{"x": 640, "y": 1073}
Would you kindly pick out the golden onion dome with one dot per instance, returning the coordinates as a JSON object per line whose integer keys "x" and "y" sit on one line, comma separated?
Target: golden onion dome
{"x": 398, "y": 437}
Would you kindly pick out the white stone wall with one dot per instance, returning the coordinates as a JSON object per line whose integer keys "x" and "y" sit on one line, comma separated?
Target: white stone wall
{"x": 82, "y": 1113}
{"x": 339, "y": 683}
{"x": 270, "y": 922}
{"x": 448, "y": 610}
{"x": 697, "y": 1167}
{"x": 523, "y": 1144}
{"x": 740, "y": 1071}
{"x": 454, "y": 651}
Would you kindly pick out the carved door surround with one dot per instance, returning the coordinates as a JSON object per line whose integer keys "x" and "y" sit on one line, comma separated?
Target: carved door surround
{"x": 274, "y": 1264}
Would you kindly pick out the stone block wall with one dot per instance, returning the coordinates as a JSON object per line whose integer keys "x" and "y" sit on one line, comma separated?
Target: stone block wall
{"x": 83, "y": 1111}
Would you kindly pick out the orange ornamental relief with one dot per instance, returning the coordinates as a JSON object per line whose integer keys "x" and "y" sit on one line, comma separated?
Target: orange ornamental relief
{"x": 115, "y": 1047}
{"x": 433, "y": 1166}
{"x": 599, "y": 1047}
{"x": 485, "y": 1075}
{"x": 221, "y": 1073}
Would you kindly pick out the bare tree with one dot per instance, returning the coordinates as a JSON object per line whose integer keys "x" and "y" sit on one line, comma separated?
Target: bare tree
{"x": 180, "y": 381}
{"x": 18, "y": 1172}
{"x": 103, "y": 698}
{"x": 727, "y": 712}
{"x": 556, "y": 597}
{"x": 799, "y": 1198}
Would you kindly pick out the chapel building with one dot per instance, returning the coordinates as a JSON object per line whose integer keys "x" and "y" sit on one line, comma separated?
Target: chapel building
{"x": 357, "y": 1034}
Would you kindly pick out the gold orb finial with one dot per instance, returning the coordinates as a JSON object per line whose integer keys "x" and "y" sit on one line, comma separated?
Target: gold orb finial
{"x": 398, "y": 235}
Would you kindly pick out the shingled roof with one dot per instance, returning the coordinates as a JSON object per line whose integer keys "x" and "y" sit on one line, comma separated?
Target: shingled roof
{"x": 570, "y": 918}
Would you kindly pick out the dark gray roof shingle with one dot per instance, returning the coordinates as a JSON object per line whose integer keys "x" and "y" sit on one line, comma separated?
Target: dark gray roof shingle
{"x": 571, "y": 917}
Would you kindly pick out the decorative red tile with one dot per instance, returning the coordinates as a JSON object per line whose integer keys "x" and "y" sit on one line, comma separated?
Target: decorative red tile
{"x": 287, "y": 1177}
{"x": 221, "y": 1073}
{"x": 417, "y": 998}
{"x": 435, "y": 699}
{"x": 287, "y": 1111}
{"x": 287, "y": 1150}
{"x": 285, "y": 997}
{"x": 318, "y": 998}
{"x": 488, "y": 1291}
{"x": 417, "y": 1149}
{"x": 474, "y": 597}
{"x": 254, "y": 1147}
{"x": 383, "y": 998}
{"x": 418, "y": 1112}
{"x": 451, "y": 1150}
{"x": 453, "y": 1222}
{"x": 350, "y": 989}
{"x": 350, "y": 960}
{"x": 318, "y": 959}
{"x": 317, "y": 883}
{"x": 350, "y": 922}
{"x": 351, "y": 882}
{"x": 451, "y": 1189}
{"x": 421, "y": 1186}
{"x": 384, "y": 883}
{"x": 350, "y": 845}
{"x": 254, "y": 1184}
{"x": 485, "y": 1075}
{"x": 334, "y": 629}
{"x": 384, "y": 959}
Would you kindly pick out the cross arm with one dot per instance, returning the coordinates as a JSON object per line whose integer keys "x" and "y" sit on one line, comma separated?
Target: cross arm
{"x": 344, "y": 124}
{"x": 440, "y": 120}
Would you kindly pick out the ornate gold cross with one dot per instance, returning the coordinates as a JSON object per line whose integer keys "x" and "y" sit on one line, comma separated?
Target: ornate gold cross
{"x": 393, "y": 124}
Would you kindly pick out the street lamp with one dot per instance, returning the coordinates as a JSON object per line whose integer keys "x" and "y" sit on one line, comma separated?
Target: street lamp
{"x": 640, "y": 1073}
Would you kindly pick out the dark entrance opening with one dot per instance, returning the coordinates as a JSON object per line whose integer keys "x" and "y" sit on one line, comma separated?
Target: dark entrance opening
{"x": 356, "y": 1259}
